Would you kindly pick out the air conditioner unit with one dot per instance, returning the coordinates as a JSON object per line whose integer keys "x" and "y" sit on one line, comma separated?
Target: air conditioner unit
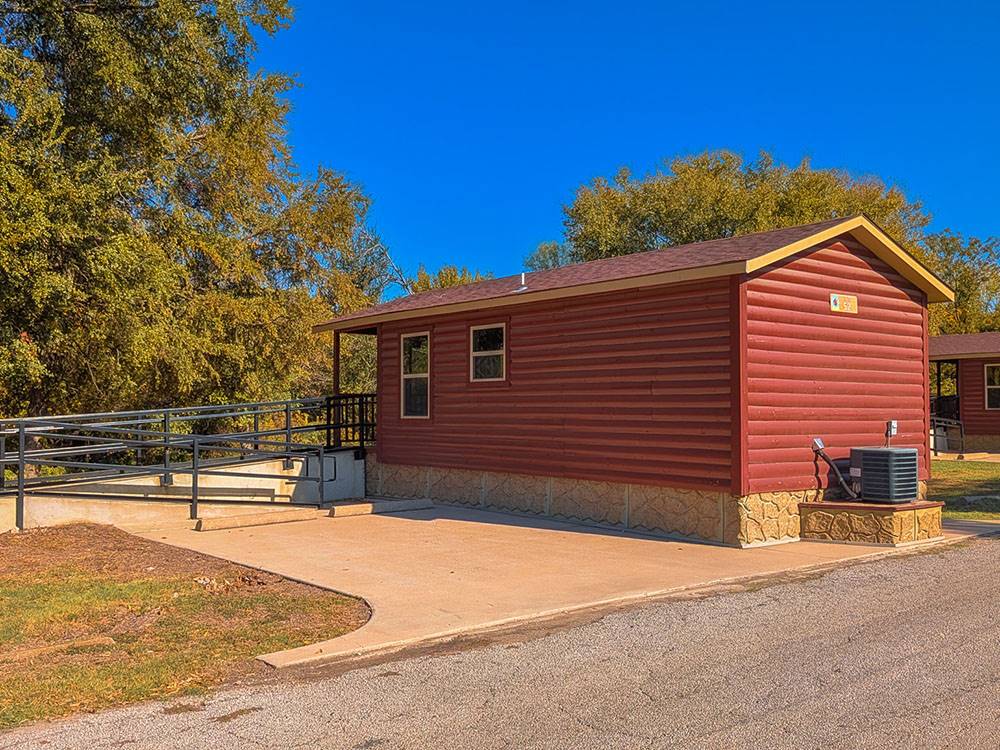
{"x": 887, "y": 475}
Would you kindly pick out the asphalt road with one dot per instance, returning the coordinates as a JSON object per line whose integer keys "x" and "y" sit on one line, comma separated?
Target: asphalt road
{"x": 899, "y": 653}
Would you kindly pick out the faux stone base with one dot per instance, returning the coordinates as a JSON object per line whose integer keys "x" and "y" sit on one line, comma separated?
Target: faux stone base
{"x": 871, "y": 523}
{"x": 701, "y": 515}
{"x": 981, "y": 443}
{"x": 769, "y": 517}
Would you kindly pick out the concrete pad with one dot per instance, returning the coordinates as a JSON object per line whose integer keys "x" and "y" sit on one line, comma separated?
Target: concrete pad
{"x": 433, "y": 575}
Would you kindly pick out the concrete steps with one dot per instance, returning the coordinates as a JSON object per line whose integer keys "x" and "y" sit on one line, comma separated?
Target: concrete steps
{"x": 245, "y": 488}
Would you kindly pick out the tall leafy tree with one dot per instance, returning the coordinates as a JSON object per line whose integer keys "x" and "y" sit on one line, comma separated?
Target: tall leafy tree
{"x": 718, "y": 194}
{"x": 971, "y": 267}
{"x": 157, "y": 242}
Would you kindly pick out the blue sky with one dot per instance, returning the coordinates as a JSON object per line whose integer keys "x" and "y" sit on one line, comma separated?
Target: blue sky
{"x": 471, "y": 125}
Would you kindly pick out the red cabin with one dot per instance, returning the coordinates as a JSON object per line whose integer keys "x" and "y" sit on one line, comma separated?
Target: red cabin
{"x": 676, "y": 391}
{"x": 965, "y": 403}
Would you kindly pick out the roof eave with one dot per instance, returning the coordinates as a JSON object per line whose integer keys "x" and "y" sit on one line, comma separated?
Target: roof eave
{"x": 611, "y": 285}
{"x": 972, "y": 355}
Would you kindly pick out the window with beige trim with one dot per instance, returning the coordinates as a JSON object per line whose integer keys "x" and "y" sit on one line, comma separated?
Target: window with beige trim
{"x": 488, "y": 352}
{"x": 415, "y": 375}
{"x": 992, "y": 386}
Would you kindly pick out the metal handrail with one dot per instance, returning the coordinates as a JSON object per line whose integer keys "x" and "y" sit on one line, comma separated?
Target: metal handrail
{"x": 939, "y": 422}
{"x": 197, "y": 412}
{"x": 193, "y": 410}
{"x": 130, "y": 434}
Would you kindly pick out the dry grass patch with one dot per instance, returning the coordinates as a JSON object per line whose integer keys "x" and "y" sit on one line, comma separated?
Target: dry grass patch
{"x": 92, "y": 617}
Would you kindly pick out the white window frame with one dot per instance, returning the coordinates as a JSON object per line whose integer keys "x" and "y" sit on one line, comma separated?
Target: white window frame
{"x": 987, "y": 386}
{"x": 492, "y": 353}
{"x": 403, "y": 376}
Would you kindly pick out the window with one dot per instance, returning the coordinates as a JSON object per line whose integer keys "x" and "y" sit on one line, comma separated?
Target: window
{"x": 487, "y": 353}
{"x": 993, "y": 386}
{"x": 415, "y": 372}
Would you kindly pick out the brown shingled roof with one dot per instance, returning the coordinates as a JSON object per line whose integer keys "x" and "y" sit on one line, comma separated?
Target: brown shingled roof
{"x": 720, "y": 257}
{"x": 965, "y": 345}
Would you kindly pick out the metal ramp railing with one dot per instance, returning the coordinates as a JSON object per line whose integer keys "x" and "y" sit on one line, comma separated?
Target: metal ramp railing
{"x": 947, "y": 435}
{"x": 62, "y": 455}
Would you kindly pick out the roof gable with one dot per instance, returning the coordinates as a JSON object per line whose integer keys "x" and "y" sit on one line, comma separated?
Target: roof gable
{"x": 713, "y": 258}
{"x": 869, "y": 234}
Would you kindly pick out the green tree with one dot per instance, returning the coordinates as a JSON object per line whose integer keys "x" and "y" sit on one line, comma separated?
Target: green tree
{"x": 718, "y": 194}
{"x": 358, "y": 353}
{"x": 550, "y": 255}
{"x": 971, "y": 267}
{"x": 157, "y": 243}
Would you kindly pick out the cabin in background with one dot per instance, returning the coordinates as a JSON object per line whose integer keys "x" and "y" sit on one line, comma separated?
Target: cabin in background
{"x": 676, "y": 391}
{"x": 965, "y": 402}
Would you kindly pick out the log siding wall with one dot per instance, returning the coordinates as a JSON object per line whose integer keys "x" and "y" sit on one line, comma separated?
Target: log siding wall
{"x": 812, "y": 372}
{"x": 717, "y": 384}
{"x": 976, "y": 418}
{"x": 629, "y": 386}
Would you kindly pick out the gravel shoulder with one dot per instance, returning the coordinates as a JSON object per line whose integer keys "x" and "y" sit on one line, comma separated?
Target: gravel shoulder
{"x": 902, "y": 652}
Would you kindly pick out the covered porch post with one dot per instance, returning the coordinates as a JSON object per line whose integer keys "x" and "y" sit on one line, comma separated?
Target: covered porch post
{"x": 336, "y": 363}
{"x": 333, "y": 405}
{"x": 939, "y": 378}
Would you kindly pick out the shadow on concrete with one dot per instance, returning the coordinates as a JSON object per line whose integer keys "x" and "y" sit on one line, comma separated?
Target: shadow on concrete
{"x": 491, "y": 516}
{"x": 501, "y": 517}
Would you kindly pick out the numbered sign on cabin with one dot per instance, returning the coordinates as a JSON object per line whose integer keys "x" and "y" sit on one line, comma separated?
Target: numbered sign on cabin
{"x": 844, "y": 303}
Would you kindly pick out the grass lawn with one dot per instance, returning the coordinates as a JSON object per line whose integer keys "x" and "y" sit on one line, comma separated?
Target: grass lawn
{"x": 92, "y": 617}
{"x": 954, "y": 481}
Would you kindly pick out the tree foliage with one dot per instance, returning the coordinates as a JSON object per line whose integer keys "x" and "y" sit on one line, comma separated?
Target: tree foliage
{"x": 446, "y": 276}
{"x": 719, "y": 194}
{"x": 157, "y": 243}
{"x": 971, "y": 267}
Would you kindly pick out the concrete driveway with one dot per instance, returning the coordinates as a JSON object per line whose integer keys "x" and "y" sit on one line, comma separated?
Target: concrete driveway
{"x": 435, "y": 574}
